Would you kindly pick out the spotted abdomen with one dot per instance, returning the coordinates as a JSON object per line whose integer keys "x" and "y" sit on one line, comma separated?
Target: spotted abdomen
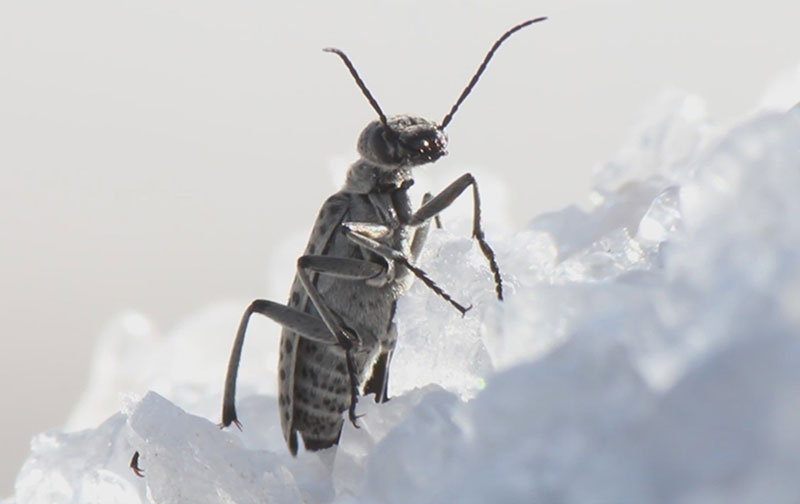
{"x": 318, "y": 395}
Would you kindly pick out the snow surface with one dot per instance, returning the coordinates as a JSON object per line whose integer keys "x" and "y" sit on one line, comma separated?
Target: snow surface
{"x": 647, "y": 352}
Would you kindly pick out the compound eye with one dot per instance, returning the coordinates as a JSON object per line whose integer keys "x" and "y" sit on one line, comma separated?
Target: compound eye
{"x": 418, "y": 142}
{"x": 428, "y": 142}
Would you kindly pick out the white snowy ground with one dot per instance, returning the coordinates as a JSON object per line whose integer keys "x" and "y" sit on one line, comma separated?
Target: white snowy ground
{"x": 647, "y": 352}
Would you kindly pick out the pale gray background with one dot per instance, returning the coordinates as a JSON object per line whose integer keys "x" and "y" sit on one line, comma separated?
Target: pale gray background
{"x": 153, "y": 152}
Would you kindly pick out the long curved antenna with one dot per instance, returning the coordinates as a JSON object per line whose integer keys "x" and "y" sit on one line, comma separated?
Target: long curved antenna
{"x": 360, "y": 83}
{"x": 481, "y": 68}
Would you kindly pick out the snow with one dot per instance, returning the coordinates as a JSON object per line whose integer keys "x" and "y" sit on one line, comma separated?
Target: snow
{"x": 647, "y": 352}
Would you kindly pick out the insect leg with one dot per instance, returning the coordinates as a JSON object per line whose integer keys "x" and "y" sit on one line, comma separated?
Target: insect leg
{"x": 351, "y": 230}
{"x": 443, "y": 200}
{"x": 302, "y": 323}
{"x": 344, "y": 268}
{"x": 306, "y": 325}
{"x": 421, "y": 233}
{"x": 341, "y": 267}
{"x": 353, "y": 269}
{"x": 378, "y": 382}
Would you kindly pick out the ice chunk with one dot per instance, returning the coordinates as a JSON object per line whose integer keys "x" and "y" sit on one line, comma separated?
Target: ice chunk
{"x": 86, "y": 466}
{"x": 646, "y": 352}
{"x": 188, "y": 459}
{"x": 669, "y": 134}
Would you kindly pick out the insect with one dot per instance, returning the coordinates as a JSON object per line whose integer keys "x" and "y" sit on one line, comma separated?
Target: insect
{"x": 338, "y": 330}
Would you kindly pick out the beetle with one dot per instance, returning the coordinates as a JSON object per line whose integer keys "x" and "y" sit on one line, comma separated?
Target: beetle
{"x": 338, "y": 326}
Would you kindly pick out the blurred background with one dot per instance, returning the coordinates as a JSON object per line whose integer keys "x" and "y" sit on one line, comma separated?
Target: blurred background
{"x": 154, "y": 154}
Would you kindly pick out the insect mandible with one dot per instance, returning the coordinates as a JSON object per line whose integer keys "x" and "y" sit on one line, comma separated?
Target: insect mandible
{"x": 360, "y": 258}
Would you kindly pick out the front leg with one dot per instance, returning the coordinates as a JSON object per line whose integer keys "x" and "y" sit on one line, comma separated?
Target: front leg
{"x": 443, "y": 200}
{"x": 363, "y": 235}
{"x": 421, "y": 233}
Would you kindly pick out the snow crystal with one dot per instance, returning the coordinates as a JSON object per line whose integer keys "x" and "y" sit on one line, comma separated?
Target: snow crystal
{"x": 647, "y": 352}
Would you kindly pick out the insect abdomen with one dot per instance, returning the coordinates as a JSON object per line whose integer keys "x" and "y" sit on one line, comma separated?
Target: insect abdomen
{"x": 321, "y": 393}
{"x": 313, "y": 382}
{"x": 313, "y": 399}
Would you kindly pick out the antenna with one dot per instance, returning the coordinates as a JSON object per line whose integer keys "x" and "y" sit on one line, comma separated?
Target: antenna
{"x": 481, "y": 68}
{"x": 361, "y": 85}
